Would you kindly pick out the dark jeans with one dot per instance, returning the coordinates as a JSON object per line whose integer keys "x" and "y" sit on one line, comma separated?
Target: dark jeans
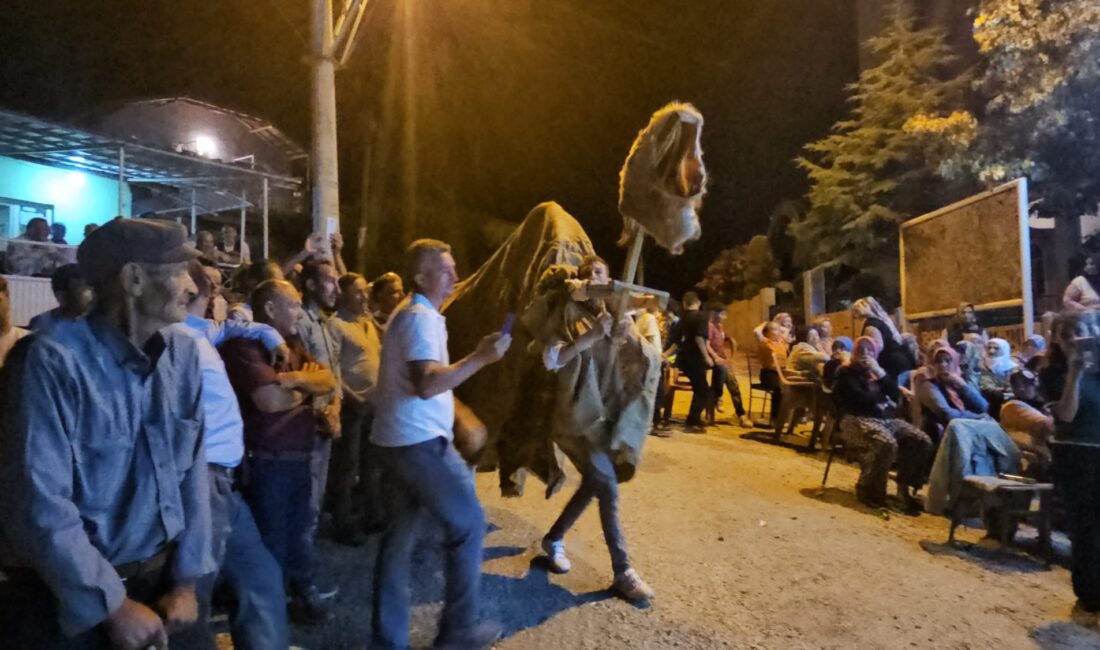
{"x": 345, "y": 467}
{"x": 598, "y": 480}
{"x": 431, "y": 480}
{"x": 318, "y": 476}
{"x": 769, "y": 379}
{"x": 701, "y": 394}
{"x": 659, "y": 403}
{"x": 258, "y": 618}
{"x": 721, "y": 379}
{"x": 279, "y": 492}
{"x": 28, "y": 616}
{"x": 1077, "y": 476}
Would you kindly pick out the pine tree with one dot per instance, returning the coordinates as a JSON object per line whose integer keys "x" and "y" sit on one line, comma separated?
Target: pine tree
{"x": 886, "y": 163}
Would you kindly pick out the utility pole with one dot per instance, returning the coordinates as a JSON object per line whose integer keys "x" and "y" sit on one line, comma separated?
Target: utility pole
{"x": 326, "y": 179}
{"x": 332, "y": 44}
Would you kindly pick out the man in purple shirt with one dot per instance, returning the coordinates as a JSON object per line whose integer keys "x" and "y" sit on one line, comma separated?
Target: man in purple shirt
{"x": 282, "y": 425}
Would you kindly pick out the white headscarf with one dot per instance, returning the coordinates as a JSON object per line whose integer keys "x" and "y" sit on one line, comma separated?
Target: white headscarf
{"x": 1002, "y": 364}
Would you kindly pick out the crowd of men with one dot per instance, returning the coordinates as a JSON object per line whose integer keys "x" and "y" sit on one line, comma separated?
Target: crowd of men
{"x": 151, "y": 455}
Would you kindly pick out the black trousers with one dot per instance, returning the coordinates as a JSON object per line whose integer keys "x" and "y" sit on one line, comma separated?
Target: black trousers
{"x": 769, "y": 379}
{"x": 701, "y": 393}
{"x": 28, "y": 616}
{"x": 1077, "y": 477}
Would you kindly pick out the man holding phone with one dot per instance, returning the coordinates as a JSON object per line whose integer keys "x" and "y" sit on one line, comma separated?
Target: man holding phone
{"x": 1071, "y": 379}
{"x": 413, "y": 437}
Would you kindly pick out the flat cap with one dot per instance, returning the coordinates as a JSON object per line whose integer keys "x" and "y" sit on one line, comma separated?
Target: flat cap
{"x": 108, "y": 248}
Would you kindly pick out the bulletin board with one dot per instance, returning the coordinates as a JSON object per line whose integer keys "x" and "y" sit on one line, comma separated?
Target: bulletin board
{"x": 975, "y": 251}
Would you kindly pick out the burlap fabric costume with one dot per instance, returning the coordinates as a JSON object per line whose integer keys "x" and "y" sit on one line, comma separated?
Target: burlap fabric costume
{"x": 603, "y": 399}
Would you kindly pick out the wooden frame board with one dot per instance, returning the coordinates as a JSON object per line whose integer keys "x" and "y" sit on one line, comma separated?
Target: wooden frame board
{"x": 978, "y": 229}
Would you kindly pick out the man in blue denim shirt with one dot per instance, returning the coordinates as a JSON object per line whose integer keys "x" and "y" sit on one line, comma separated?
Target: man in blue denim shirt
{"x": 104, "y": 504}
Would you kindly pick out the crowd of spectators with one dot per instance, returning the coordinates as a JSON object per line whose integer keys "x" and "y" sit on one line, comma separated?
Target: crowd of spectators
{"x": 152, "y": 453}
{"x": 900, "y": 405}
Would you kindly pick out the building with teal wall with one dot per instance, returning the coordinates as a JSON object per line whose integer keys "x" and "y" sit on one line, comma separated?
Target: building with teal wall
{"x": 61, "y": 195}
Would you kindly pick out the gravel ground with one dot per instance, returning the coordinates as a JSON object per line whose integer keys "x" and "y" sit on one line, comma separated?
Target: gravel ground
{"x": 744, "y": 551}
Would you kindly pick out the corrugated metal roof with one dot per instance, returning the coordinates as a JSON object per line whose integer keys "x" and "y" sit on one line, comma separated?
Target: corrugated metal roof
{"x": 50, "y": 143}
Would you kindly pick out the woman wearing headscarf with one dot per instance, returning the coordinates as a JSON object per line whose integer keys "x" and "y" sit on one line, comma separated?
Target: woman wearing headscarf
{"x": 1083, "y": 292}
{"x": 971, "y": 358}
{"x": 965, "y": 322}
{"x": 865, "y": 395}
{"x": 805, "y": 361}
{"x": 944, "y": 395}
{"x": 1032, "y": 352}
{"x": 893, "y": 355}
{"x": 997, "y": 367}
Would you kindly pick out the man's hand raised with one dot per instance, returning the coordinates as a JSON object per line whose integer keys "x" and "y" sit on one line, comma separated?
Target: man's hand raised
{"x": 492, "y": 348}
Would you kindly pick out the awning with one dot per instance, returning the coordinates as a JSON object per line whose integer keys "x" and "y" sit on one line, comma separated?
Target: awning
{"x": 58, "y": 145}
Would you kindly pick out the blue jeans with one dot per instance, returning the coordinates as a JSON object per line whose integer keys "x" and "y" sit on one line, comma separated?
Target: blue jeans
{"x": 431, "y": 479}
{"x": 597, "y": 480}
{"x": 318, "y": 476}
{"x": 258, "y": 621}
{"x": 279, "y": 492}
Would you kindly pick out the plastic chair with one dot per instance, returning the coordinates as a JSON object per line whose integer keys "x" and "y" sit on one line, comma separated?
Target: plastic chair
{"x": 797, "y": 396}
{"x": 678, "y": 382}
{"x": 758, "y": 392}
{"x": 825, "y": 413}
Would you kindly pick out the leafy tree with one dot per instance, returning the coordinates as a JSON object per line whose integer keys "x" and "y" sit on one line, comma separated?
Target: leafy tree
{"x": 1041, "y": 82}
{"x": 888, "y": 162}
{"x": 740, "y": 272}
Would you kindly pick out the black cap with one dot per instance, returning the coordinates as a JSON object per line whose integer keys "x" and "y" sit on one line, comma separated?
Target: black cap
{"x": 122, "y": 241}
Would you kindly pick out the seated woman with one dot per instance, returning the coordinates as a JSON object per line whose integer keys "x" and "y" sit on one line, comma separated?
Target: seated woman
{"x": 772, "y": 351}
{"x": 996, "y": 369}
{"x": 944, "y": 395}
{"x": 842, "y": 352}
{"x": 805, "y": 361}
{"x": 1029, "y": 422}
{"x": 1032, "y": 353}
{"x": 866, "y": 397}
{"x": 965, "y": 322}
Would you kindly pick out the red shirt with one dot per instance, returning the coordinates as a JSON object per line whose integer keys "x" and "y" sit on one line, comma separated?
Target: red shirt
{"x": 248, "y": 364}
{"x": 716, "y": 336}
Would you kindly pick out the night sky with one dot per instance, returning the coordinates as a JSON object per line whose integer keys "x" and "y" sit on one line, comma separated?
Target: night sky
{"x": 513, "y": 101}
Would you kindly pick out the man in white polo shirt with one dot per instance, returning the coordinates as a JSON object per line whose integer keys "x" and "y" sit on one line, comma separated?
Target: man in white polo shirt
{"x": 413, "y": 433}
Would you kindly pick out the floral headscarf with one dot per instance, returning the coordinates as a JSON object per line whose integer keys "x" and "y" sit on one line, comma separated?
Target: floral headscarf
{"x": 869, "y": 308}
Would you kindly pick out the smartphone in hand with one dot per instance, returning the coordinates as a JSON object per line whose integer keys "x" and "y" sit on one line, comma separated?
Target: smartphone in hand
{"x": 1088, "y": 351}
{"x": 509, "y": 323}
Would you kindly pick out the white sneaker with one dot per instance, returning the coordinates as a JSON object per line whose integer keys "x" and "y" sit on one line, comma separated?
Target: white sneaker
{"x": 631, "y": 586}
{"x": 555, "y": 555}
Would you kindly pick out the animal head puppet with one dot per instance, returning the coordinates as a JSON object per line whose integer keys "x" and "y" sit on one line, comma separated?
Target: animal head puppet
{"x": 662, "y": 183}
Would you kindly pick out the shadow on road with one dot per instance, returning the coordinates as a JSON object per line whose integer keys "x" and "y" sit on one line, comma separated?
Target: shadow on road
{"x": 844, "y": 498}
{"x": 1022, "y": 556}
{"x": 1064, "y": 635}
{"x": 798, "y": 441}
{"x": 531, "y": 600}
